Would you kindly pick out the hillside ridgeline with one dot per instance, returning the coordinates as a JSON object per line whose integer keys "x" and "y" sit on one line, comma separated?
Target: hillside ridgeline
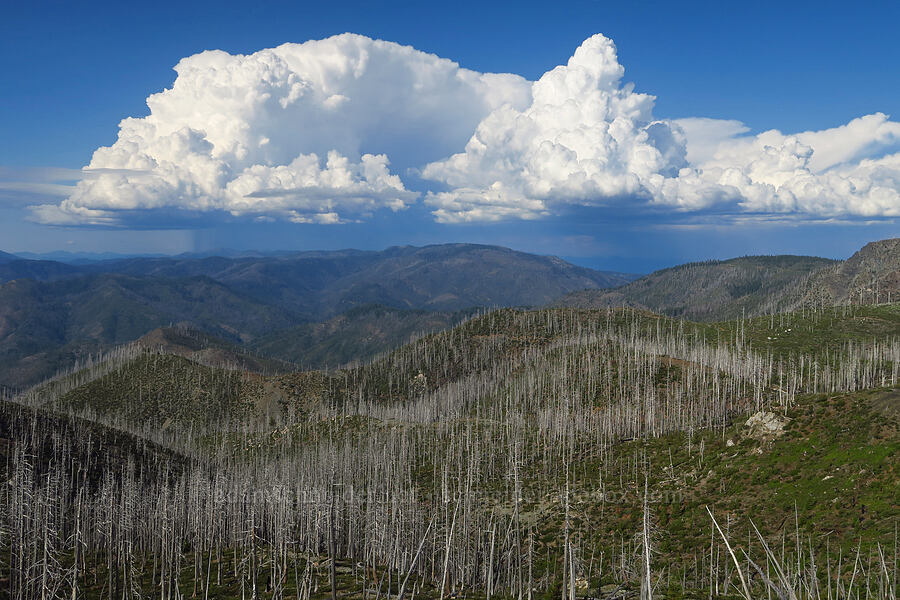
{"x": 53, "y": 314}
{"x": 757, "y": 285}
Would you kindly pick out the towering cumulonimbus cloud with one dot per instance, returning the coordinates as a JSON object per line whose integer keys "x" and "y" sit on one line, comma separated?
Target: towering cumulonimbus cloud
{"x": 584, "y": 139}
{"x": 308, "y": 132}
{"x": 333, "y": 130}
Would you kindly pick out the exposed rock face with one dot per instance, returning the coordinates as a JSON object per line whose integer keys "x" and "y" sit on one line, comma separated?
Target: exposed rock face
{"x": 766, "y": 426}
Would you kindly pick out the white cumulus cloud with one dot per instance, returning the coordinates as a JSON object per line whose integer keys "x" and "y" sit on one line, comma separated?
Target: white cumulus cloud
{"x": 585, "y": 139}
{"x": 332, "y": 130}
{"x": 589, "y": 139}
{"x": 302, "y": 132}
{"x": 850, "y": 170}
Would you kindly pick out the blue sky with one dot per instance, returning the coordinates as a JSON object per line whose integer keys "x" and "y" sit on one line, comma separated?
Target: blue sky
{"x": 73, "y": 72}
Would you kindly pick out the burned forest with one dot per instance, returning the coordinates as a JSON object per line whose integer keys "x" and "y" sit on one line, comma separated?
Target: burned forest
{"x": 555, "y": 453}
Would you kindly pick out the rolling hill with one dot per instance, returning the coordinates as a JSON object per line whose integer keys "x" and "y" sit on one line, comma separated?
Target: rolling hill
{"x": 708, "y": 291}
{"x": 320, "y": 285}
{"x": 511, "y": 453}
{"x": 46, "y": 326}
{"x": 38, "y": 270}
{"x": 755, "y": 285}
{"x": 51, "y": 313}
{"x": 356, "y": 335}
{"x": 871, "y": 275}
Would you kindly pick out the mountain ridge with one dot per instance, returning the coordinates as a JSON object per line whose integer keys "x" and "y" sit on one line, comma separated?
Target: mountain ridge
{"x": 322, "y": 284}
{"x": 316, "y": 308}
{"x": 756, "y": 285}
{"x": 870, "y": 275}
{"x": 51, "y": 313}
{"x": 46, "y": 326}
{"x": 708, "y": 290}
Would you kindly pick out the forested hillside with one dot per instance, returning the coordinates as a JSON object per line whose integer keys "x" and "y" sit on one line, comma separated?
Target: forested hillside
{"x": 757, "y": 285}
{"x": 48, "y": 326}
{"x": 588, "y": 453}
{"x": 871, "y": 275}
{"x": 289, "y": 305}
{"x": 357, "y": 335}
{"x": 708, "y": 291}
{"x": 319, "y": 285}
